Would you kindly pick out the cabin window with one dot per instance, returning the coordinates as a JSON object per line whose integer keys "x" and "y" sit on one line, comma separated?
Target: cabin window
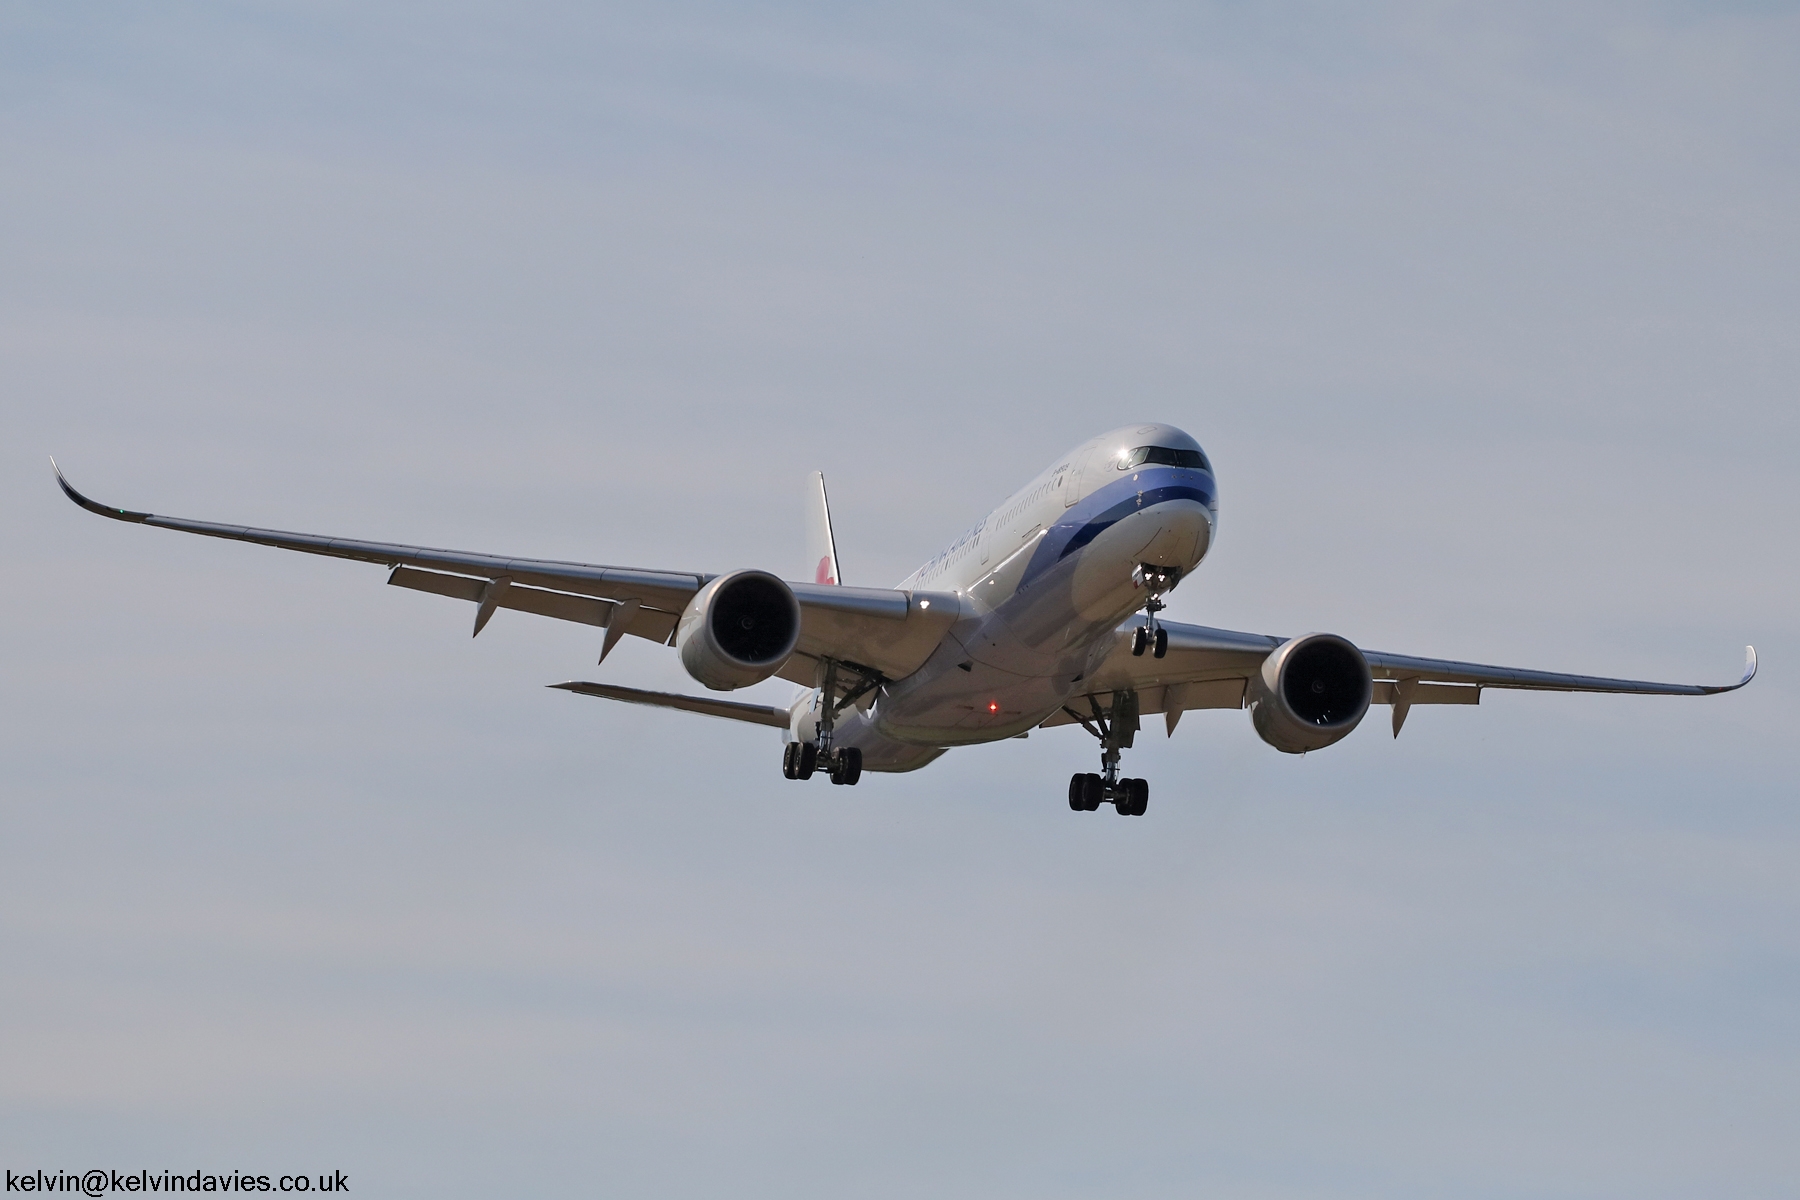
{"x": 1163, "y": 456}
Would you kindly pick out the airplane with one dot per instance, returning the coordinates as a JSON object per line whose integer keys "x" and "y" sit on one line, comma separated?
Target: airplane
{"x": 1043, "y": 613}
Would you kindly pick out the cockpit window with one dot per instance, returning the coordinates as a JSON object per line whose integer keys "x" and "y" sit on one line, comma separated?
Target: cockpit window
{"x": 1163, "y": 456}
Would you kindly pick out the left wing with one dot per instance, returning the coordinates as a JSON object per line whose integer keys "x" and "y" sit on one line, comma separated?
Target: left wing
{"x": 1210, "y": 668}
{"x": 885, "y": 633}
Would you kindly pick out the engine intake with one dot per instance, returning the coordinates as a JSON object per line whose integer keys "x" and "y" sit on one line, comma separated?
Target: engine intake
{"x": 1311, "y": 692}
{"x": 738, "y": 630}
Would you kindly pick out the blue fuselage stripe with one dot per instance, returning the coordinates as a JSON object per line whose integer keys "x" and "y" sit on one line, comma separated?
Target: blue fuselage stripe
{"x": 1103, "y": 508}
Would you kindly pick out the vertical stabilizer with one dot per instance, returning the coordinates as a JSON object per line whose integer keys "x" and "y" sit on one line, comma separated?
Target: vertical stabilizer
{"x": 821, "y": 547}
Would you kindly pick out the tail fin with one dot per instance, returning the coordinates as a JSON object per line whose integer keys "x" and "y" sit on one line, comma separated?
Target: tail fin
{"x": 821, "y": 547}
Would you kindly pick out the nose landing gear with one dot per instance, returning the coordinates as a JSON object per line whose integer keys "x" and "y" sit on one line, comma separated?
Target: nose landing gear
{"x": 1142, "y": 638}
{"x": 1116, "y": 731}
{"x": 1151, "y": 635}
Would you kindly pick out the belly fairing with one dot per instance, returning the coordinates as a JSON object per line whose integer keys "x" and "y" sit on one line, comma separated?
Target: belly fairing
{"x": 882, "y": 753}
{"x": 956, "y": 700}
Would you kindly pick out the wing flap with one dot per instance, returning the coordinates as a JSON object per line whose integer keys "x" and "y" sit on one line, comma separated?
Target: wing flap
{"x": 1197, "y": 654}
{"x": 562, "y": 606}
{"x": 1386, "y": 691}
{"x": 1173, "y": 699}
{"x": 887, "y": 631}
{"x": 457, "y": 587}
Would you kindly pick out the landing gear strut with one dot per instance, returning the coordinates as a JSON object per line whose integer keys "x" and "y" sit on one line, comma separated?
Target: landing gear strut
{"x": 1115, "y": 730}
{"x": 1151, "y": 635}
{"x": 800, "y": 759}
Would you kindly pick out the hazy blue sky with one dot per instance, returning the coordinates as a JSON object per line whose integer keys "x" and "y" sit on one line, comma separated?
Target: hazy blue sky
{"x": 1489, "y": 316}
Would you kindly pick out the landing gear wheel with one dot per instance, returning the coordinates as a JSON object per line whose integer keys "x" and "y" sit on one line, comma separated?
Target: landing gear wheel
{"x": 1077, "y": 788}
{"x": 1093, "y": 790}
{"x": 807, "y": 761}
{"x": 1140, "y": 638}
{"x": 1134, "y": 798}
{"x": 1162, "y": 642}
{"x": 848, "y": 768}
{"x": 790, "y": 760}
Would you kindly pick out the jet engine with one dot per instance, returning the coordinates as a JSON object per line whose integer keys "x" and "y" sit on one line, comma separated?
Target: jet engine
{"x": 1310, "y": 692}
{"x": 738, "y": 630}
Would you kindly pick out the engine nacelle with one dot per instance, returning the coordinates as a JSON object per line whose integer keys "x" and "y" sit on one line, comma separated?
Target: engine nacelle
{"x": 738, "y": 630}
{"x": 1310, "y": 692}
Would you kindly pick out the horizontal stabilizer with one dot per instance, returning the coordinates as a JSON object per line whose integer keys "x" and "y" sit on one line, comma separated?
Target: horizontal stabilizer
{"x": 731, "y": 710}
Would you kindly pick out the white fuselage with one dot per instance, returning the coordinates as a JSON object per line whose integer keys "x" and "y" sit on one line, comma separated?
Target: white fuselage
{"x": 1044, "y": 582}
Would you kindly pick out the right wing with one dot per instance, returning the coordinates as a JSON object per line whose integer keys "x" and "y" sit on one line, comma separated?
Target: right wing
{"x": 569, "y": 591}
{"x": 883, "y": 632}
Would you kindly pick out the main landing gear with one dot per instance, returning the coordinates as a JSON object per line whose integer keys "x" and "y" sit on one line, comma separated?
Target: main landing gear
{"x": 1116, "y": 730}
{"x": 799, "y": 760}
{"x": 1130, "y": 797}
{"x": 1151, "y": 635}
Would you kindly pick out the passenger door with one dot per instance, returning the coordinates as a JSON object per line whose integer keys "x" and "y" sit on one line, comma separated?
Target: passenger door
{"x": 1071, "y": 483}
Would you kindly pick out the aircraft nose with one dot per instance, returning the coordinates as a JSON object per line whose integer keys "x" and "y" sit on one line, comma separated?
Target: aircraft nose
{"x": 1184, "y": 534}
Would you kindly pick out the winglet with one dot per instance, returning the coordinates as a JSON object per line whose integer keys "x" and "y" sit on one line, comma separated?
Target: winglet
{"x": 117, "y": 514}
{"x": 1749, "y": 674}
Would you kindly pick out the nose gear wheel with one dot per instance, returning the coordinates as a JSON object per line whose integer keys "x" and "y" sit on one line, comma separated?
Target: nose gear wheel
{"x": 1155, "y": 581}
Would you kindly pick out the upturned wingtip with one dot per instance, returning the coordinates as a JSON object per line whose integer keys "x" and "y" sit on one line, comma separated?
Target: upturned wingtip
{"x": 117, "y": 514}
{"x": 63, "y": 482}
{"x": 1749, "y": 674}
